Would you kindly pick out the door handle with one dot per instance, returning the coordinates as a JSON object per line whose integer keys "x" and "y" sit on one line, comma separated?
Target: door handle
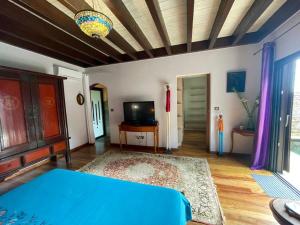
{"x": 287, "y": 120}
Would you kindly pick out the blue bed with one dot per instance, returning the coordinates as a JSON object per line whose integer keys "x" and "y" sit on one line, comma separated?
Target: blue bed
{"x": 62, "y": 197}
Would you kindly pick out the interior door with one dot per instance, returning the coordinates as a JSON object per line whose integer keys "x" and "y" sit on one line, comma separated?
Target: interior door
{"x": 17, "y": 130}
{"x": 48, "y": 107}
{"x": 97, "y": 112}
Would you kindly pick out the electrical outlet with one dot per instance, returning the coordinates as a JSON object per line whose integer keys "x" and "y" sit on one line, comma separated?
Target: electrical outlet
{"x": 216, "y": 108}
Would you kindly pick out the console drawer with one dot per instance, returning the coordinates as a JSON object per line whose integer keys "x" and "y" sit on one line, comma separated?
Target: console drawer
{"x": 59, "y": 147}
{"x": 37, "y": 154}
{"x": 10, "y": 165}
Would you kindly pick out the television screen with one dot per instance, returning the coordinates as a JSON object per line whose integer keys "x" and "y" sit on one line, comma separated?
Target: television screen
{"x": 139, "y": 113}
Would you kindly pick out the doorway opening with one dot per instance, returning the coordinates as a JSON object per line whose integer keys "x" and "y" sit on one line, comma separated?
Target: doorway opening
{"x": 100, "y": 113}
{"x": 193, "y": 111}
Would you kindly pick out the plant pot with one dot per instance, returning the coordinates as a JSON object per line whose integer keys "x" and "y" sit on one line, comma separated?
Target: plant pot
{"x": 250, "y": 124}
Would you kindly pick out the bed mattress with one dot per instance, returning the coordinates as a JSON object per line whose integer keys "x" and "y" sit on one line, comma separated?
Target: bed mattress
{"x": 63, "y": 197}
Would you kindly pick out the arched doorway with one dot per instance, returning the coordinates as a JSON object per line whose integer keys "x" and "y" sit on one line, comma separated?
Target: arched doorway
{"x": 100, "y": 113}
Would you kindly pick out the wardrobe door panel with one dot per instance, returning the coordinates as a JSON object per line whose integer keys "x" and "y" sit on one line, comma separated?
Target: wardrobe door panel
{"x": 49, "y": 110}
{"x": 12, "y": 114}
{"x": 16, "y": 133}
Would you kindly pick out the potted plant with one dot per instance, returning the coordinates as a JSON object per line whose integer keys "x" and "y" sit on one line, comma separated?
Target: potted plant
{"x": 250, "y": 111}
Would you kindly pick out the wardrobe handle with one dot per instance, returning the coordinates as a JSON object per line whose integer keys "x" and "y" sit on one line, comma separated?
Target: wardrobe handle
{"x": 287, "y": 120}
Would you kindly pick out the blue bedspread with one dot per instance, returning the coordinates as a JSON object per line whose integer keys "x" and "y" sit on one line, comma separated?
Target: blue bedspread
{"x": 62, "y": 197}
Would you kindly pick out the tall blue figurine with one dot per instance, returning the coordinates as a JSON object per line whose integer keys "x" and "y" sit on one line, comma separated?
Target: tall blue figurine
{"x": 220, "y": 134}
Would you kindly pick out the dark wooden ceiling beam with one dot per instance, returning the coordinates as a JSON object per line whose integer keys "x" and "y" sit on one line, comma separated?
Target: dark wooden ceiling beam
{"x": 54, "y": 16}
{"x": 156, "y": 14}
{"x": 25, "y": 18}
{"x": 288, "y": 9}
{"x": 255, "y": 11}
{"x": 190, "y": 18}
{"x": 121, "y": 12}
{"x": 119, "y": 41}
{"x": 75, "y": 5}
{"x": 113, "y": 36}
{"x": 221, "y": 16}
{"x": 13, "y": 28}
{"x": 223, "y": 42}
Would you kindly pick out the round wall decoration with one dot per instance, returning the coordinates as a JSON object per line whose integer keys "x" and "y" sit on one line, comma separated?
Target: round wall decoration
{"x": 80, "y": 99}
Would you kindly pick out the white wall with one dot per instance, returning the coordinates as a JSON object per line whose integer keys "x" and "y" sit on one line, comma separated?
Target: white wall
{"x": 75, "y": 113}
{"x": 143, "y": 80}
{"x": 15, "y": 57}
{"x": 288, "y": 43}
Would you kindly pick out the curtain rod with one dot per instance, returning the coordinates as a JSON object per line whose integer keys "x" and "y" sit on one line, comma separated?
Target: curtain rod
{"x": 291, "y": 28}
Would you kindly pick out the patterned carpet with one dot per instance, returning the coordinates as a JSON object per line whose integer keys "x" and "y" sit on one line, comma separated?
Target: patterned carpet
{"x": 188, "y": 175}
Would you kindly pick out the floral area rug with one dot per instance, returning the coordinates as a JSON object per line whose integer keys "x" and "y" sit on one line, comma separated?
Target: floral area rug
{"x": 191, "y": 176}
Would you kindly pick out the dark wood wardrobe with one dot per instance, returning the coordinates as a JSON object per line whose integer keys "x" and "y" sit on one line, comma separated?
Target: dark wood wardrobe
{"x": 33, "y": 123}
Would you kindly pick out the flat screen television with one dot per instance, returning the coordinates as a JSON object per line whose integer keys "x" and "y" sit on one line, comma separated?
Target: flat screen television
{"x": 139, "y": 113}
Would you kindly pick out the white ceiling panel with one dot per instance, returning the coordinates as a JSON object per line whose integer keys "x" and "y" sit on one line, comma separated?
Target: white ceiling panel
{"x": 140, "y": 12}
{"x": 204, "y": 16}
{"x": 174, "y": 14}
{"x": 236, "y": 14}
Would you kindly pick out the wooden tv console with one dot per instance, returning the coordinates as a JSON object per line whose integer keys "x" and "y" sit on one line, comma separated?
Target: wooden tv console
{"x": 124, "y": 128}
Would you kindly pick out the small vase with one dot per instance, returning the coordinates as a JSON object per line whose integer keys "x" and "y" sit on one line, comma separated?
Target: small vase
{"x": 250, "y": 124}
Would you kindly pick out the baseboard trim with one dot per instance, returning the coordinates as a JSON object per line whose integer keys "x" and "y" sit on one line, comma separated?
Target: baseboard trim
{"x": 80, "y": 146}
{"x": 230, "y": 153}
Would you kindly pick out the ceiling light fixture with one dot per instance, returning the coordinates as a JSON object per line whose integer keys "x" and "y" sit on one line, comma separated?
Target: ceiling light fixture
{"x": 94, "y": 24}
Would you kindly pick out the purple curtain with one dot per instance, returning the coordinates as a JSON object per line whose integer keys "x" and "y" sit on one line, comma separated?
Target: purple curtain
{"x": 262, "y": 136}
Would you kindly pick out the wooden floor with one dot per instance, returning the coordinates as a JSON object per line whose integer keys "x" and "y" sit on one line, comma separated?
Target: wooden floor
{"x": 194, "y": 139}
{"x": 242, "y": 200}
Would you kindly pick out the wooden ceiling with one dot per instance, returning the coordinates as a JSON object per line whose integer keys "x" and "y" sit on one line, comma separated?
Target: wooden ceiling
{"x": 142, "y": 28}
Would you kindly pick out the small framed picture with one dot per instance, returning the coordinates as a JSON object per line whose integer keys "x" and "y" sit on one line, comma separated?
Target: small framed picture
{"x": 80, "y": 99}
{"x": 236, "y": 81}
